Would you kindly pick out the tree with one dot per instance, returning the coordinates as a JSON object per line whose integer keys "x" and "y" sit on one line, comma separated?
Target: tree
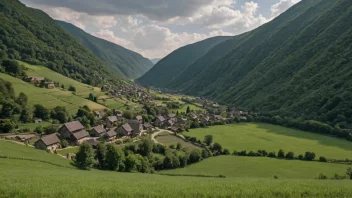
{"x": 208, "y": 140}
{"x": 100, "y": 155}
{"x": 7, "y": 126}
{"x": 309, "y": 156}
{"x": 115, "y": 158}
{"x": 131, "y": 162}
{"x": 290, "y": 155}
{"x": 178, "y": 146}
{"x": 39, "y": 129}
{"x": 85, "y": 156}
{"x": 281, "y": 154}
{"x": 60, "y": 114}
{"x": 322, "y": 159}
{"x": 226, "y": 152}
{"x": 188, "y": 110}
{"x": 41, "y": 112}
{"x": 217, "y": 148}
{"x": 195, "y": 156}
{"x": 128, "y": 115}
{"x": 64, "y": 143}
{"x": 22, "y": 99}
{"x": 51, "y": 129}
{"x": 26, "y": 115}
{"x": 72, "y": 88}
{"x": 145, "y": 146}
{"x": 349, "y": 172}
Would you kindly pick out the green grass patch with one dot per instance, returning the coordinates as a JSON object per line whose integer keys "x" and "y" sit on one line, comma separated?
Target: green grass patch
{"x": 64, "y": 152}
{"x": 255, "y": 136}
{"x": 169, "y": 139}
{"x": 260, "y": 167}
{"x": 32, "y": 126}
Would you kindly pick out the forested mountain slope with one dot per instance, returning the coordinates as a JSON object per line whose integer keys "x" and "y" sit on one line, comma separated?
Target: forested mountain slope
{"x": 169, "y": 67}
{"x": 299, "y": 65}
{"x": 127, "y": 63}
{"x": 32, "y": 36}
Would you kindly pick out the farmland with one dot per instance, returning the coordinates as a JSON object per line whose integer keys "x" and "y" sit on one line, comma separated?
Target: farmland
{"x": 255, "y": 136}
{"x": 262, "y": 167}
{"x": 169, "y": 139}
{"x": 21, "y": 178}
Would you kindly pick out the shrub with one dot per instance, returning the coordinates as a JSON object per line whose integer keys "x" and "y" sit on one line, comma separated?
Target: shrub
{"x": 281, "y": 154}
{"x": 301, "y": 157}
{"x": 127, "y": 140}
{"x": 290, "y": 155}
{"x": 193, "y": 139}
{"x": 208, "y": 140}
{"x": 338, "y": 177}
{"x": 322, "y": 159}
{"x": 272, "y": 155}
{"x": 322, "y": 176}
{"x": 172, "y": 146}
{"x": 276, "y": 177}
{"x": 72, "y": 88}
{"x": 64, "y": 143}
{"x": 85, "y": 156}
{"x": 226, "y": 152}
{"x": 349, "y": 173}
{"x": 118, "y": 142}
{"x": 179, "y": 146}
{"x": 309, "y": 156}
{"x": 263, "y": 153}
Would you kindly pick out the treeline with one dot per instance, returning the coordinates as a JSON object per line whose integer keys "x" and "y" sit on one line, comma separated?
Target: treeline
{"x": 144, "y": 157}
{"x": 307, "y": 125}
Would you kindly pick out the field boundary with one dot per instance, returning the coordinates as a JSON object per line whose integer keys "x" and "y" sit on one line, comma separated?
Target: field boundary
{"x": 35, "y": 160}
{"x": 191, "y": 175}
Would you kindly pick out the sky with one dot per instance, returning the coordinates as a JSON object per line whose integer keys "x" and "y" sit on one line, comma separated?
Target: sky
{"x": 155, "y": 28}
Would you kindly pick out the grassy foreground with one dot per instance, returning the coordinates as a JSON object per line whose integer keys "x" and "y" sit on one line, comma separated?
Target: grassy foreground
{"x": 261, "y": 167}
{"x": 21, "y": 178}
{"x": 255, "y": 136}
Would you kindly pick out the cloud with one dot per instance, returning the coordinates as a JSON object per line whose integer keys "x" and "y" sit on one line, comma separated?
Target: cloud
{"x": 110, "y": 36}
{"x": 282, "y": 6}
{"x": 153, "y": 9}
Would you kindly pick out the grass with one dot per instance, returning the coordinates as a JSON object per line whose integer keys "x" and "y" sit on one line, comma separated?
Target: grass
{"x": 64, "y": 152}
{"x": 262, "y": 167}
{"x": 50, "y": 98}
{"x": 169, "y": 139}
{"x": 21, "y": 178}
{"x": 255, "y": 136}
{"x": 32, "y": 126}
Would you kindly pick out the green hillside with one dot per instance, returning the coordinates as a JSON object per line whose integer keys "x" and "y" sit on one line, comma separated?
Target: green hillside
{"x": 24, "y": 178}
{"x": 298, "y": 65}
{"x": 127, "y": 63}
{"x": 32, "y": 36}
{"x": 171, "y": 66}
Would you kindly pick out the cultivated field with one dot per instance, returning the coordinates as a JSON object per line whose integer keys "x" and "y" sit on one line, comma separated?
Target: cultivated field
{"x": 261, "y": 167}
{"x": 22, "y": 178}
{"x": 50, "y": 98}
{"x": 255, "y": 136}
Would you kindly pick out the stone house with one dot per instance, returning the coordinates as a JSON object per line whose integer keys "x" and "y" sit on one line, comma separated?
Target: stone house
{"x": 160, "y": 121}
{"x": 35, "y": 80}
{"x": 97, "y": 131}
{"x": 110, "y": 135}
{"x": 73, "y": 132}
{"x": 136, "y": 126}
{"x": 125, "y": 129}
{"x": 48, "y": 142}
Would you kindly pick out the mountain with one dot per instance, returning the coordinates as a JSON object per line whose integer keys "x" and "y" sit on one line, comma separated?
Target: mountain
{"x": 169, "y": 67}
{"x": 298, "y": 65}
{"x": 155, "y": 60}
{"x": 127, "y": 63}
{"x": 32, "y": 36}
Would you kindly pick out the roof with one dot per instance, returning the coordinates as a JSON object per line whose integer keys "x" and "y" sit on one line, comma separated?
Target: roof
{"x": 171, "y": 115}
{"x": 139, "y": 117}
{"x": 36, "y": 78}
{"x": 80, "y": 134}
{"x": 74, "y": 126}
{"x": 99, "y": 129}
{"x": 127, "y": 127}
{"x": 147, "y": 125}
{"x": 50, "y": 139}
{"x": 135, "y": 125}
{"x": 112, "y": 118}
{"x": 111, "y": 133}
{"x": 170, "y": 122}
{"x": 161, "y": 118}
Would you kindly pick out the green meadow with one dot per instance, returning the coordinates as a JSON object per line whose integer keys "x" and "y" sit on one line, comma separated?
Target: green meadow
{"x": 50, "y": 98}
{"x": 23, "y": 178}
{"x": 261, "y": 167}
{"x": 255, "y": 136}
{"x": 168, "y": 139}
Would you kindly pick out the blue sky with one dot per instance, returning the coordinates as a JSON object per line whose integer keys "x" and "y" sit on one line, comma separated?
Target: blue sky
{"x": 154, "y": 28}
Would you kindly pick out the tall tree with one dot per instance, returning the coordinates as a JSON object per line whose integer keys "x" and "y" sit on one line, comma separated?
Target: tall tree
{"x": 85, "y": 156}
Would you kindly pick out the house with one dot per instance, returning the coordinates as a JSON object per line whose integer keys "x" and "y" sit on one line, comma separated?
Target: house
{"x": 160, "y": 121}
{"x": 110, "y": 135}
{"x": 204, "y": 120}
{"x": 37, "y": 121}
{"x": 171, "y": 116}
{"x": 136, "y": 126}
{"x": 97, "y": 115}
{"x": 139, "y": 118}
{"x": 48, "y": 142}
{"x": 49, "y": 85}
{"x": 35, "y": 80}
{"x": 25, "y": 138}
{"x": 194, "y": 116}
{"x": 170, "y": 123}
{"x": 97, "y": 131}
{"x": 124, "y": 129}
{"x": 176, "y": 129}
{"x": 147, "y": 126}
{"x": 111, "y": 121}
{"x": 74, "y": 132}
{"x": 119, "y": 113}
{"x": 182, "y": 121}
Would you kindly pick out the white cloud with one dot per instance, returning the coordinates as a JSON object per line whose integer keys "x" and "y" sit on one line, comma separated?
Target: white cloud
{"x": 110, "y": 36}
{"x": 282, "y": 6}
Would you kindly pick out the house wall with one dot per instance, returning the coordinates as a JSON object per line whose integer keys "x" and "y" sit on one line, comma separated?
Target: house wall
{"x": 109, "y": 124}
{"x": 64, "y": 133}
{"x": 121, "y": 130}
{"x": 40, "y": 145}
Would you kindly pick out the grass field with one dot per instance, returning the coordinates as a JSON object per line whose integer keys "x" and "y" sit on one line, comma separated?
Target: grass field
{"x": 50, "y": 98}
{"x": 21, "y": 178}
{"x": 262, "y": 167}
{"x": 32, "y": 126}
{"x": 169, "y": 139}
{"x": 82, "y": 90}
{"x": 254, "y": 136}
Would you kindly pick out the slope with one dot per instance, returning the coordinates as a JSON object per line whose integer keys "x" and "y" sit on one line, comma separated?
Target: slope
{"x": 32, "y": 36}
{"x": 176, "y": 62}
{"x": 127, "y": 63}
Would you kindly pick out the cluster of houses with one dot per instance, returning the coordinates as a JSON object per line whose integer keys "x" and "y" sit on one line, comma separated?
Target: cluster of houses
{"x": 41, "y": 81}
{"x": 133, "y": 90}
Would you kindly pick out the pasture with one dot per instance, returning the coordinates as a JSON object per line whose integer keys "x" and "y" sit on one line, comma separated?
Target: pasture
{"x": 255, "y": 136}
{"x": 260, "y": 167}
{"x": 169, "y": 139}
{"x": 22, "y": 178}
{"x": 50, "y": 98}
